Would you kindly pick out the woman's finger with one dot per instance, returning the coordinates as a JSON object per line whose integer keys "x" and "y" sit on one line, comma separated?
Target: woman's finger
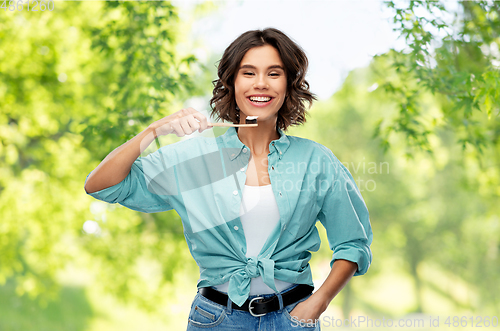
{"x": 176, "y": 126}
{"x": 186, "y": 128}
{"x": 202, "y": 118}
{"x": 193, "y": 123}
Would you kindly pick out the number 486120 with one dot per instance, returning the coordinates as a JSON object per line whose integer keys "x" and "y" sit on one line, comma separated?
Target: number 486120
{"x": 29, "y": 5}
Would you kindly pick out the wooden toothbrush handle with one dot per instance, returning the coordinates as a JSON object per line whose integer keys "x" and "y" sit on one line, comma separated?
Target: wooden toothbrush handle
{"x": 231, "y": 124}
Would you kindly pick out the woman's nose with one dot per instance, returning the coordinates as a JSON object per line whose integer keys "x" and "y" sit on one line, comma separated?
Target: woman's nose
{"x": 261, "y": 82}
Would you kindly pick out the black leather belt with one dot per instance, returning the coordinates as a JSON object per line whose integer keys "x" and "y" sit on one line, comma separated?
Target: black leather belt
{"x": 259, "y": 306}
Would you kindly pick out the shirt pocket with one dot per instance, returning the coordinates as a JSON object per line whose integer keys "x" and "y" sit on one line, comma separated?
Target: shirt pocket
{"x": 205, "y": 314}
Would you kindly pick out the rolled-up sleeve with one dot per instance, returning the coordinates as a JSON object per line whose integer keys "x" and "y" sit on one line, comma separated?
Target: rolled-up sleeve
{"x": 346, "y": 219}
{"x": 147, "y": 188}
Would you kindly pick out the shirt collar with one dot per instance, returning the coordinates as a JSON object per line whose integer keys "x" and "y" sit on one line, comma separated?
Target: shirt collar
{"x": 232, "y": 140}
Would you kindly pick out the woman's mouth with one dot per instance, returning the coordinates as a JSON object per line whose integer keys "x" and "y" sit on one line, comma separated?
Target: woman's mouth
{"x": 260, "y": 101}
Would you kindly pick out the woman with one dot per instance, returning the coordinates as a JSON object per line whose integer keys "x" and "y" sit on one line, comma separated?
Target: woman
{"x": 253, "y": 244}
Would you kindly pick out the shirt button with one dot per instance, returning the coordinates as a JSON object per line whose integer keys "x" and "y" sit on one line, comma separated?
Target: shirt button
{"x": 272, "y": 167}
{"x": 280, "y": 152}
{"x": 232, "y": 155}
{"x": 242, "y": 169}
{"x": 244, "y": 150}
{"x": 236, "y": 192}
{"x": 280, "y": 194}
{"x": 236, "y": 228}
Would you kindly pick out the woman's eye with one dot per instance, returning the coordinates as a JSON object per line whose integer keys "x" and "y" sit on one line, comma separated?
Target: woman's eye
{"x": 248, "y": 73}
{"x": 275, "y": 74}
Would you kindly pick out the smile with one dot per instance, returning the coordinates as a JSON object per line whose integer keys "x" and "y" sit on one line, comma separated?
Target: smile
{"x": 260, "y": 101}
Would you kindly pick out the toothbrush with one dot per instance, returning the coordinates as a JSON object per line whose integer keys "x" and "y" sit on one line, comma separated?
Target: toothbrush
{"x": 250, "y": 121}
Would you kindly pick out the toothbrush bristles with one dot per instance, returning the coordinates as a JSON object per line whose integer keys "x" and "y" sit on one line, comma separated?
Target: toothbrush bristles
{"x": 251, "y": 120}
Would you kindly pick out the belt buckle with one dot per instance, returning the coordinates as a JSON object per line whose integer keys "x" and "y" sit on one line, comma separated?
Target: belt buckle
{"x": 250, "y": 307}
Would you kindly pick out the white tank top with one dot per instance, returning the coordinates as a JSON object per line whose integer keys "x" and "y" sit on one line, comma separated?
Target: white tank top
{"x": 259, "y": 215}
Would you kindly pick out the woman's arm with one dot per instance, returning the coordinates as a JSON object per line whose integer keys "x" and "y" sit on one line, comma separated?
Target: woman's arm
{"x": 116, "y": 165}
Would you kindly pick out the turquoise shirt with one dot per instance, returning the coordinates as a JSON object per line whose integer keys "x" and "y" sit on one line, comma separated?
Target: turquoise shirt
{"x": 202, "y": 178}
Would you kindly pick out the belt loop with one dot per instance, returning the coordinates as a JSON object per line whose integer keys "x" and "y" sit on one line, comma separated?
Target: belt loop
{"x": 280, "y": 299}
{"x": 229, "y": 306}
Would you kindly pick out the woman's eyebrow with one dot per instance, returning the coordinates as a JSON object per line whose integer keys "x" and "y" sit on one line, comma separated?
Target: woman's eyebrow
{"x": 249, "y": 66}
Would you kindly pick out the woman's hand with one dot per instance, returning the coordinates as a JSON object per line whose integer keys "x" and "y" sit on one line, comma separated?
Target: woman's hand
{"x": 309, "y": 310}
{"x": 184, "y": 122}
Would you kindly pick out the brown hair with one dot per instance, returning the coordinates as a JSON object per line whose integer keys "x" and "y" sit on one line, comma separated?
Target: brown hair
{"x": 293, "y": 111}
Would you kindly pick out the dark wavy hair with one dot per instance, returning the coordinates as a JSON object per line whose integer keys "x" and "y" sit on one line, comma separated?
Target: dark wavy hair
{"x": 293, "y": 111}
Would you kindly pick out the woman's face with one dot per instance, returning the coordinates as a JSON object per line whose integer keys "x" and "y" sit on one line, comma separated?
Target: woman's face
{"x": 260, "y": 84}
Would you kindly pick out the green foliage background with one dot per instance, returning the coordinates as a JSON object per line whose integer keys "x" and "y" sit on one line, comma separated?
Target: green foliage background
{"x": 418, "y": 129}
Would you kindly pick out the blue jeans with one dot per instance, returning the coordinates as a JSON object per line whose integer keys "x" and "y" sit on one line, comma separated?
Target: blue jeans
{"x": 206, "y": 314}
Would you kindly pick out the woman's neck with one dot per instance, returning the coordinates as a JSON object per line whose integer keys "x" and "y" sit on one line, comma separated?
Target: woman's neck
{"x": 257, "y": 138}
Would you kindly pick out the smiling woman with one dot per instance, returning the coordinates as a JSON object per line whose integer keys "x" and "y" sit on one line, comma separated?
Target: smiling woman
{"x": 249, "y": 230}
{"x": 262, "y": 73}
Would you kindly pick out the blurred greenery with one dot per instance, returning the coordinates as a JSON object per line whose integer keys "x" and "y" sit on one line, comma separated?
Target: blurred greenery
{"x": 456, "y": 57}
{"x": 418, "y": 129}
{"x": 70, "y": 311}
{"x": 74, "y": 84}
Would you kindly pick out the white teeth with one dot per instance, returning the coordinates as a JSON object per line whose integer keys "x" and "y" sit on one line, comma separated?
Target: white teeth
{"x": 260, "y": 99}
